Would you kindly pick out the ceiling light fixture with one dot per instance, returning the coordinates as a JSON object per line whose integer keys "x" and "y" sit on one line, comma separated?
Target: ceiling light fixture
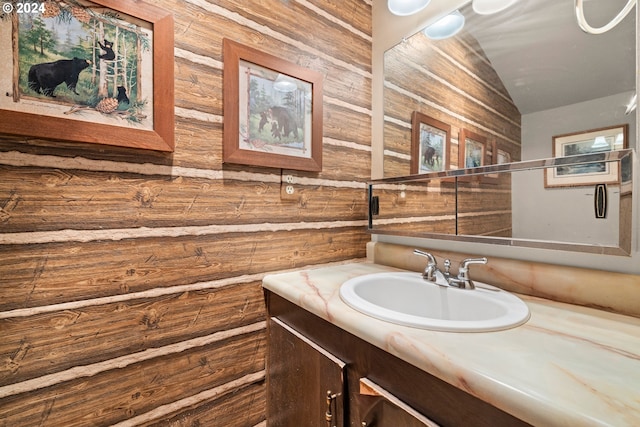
{"x": 582, "y": 22}
{"x": 488, "y": 7}
{"x": 445, "y": 27}
{"x": 406, "y": 7}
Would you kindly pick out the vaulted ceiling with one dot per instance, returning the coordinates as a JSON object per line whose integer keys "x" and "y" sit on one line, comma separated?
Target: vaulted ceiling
{"x": 545, "y": 60}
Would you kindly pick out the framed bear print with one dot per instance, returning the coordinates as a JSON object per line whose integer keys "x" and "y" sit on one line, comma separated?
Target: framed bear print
{"x": 430, "y": 144}
{"x": 272, "y": 111}
{"x": 98, "y": 71}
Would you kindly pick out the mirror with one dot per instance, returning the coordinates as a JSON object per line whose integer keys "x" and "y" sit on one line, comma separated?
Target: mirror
{"x": 509, "y": 83}
{"x": 475, "y": 204}
{"x": 504, "y": 71}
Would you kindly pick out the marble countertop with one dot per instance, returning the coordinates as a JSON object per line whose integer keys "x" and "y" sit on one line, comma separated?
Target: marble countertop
{"x": 567, "y": 366}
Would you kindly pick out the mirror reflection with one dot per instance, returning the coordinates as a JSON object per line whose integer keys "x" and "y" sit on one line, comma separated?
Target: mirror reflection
{"x": 502, "y": 72}
{"x": 501, "y": 90}
{"x": 476, "y": 205}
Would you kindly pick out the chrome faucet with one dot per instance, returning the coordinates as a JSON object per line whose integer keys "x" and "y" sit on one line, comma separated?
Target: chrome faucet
{"x": 463, "y": 280}
{"x": 432, "y": 273}
{"x": 431, "y": 268}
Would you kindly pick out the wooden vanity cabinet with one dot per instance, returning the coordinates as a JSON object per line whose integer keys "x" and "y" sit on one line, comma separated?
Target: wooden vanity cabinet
{"x": 377, "y": 407}
{"x": 309, "y": 356}
{"x": 305, "y": 383}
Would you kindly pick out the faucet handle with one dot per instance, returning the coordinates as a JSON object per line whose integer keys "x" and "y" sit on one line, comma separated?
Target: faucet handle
{"x": 463, "y": 270}
{"x": 431, "y": 258}
{"x": 432, "y": 266}
{"x": 464, "y": 265}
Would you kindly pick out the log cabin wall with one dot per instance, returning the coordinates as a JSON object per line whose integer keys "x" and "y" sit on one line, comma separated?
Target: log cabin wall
{"x": 452, "y": 81}
{"x": 130, "y": 281}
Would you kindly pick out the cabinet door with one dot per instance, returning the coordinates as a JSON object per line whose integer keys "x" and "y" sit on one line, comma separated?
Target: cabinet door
{"x": 305, "y": 383}
{"x": 379, "y": 408}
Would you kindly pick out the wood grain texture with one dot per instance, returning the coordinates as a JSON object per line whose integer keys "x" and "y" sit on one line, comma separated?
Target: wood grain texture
{"x": 238, "y": 409}
{"x": 281, "y": 29}
{"x": 201, "y": 86}
{"x": 300, "y": 377}
{"x": 418, "y": 226}
{"x": 69, "y": 200}
{"x": 130, "y": 279}
{"x": 447, "y": 83}
{"x": 481, "y": 208}
{"x": 40, "y": 345}
{"x": 58, "y": 272}
{"x": 626, "y": 209}
{"x": 415, "y": 200}
{"x": 327, "y": 36}
{"x": 357, "y": 11}
{"x": 125, "y": 392}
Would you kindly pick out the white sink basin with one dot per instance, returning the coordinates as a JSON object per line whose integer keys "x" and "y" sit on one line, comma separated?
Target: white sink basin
{"x": 407, "y": 299}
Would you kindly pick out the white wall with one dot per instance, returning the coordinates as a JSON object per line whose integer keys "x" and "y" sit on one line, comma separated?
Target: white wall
{"x": 538, "y": 129}
{"x": 566, "y": 214}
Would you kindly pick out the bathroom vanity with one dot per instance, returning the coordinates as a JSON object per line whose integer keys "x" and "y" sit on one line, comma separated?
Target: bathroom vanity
{"x": 567, "y": 365}
{"x": 317, "y": 371}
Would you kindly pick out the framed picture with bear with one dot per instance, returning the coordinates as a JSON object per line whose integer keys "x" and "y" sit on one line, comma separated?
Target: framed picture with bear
{"x": 430, "y": 144}
{"x": 272, "y": 111}
{"x": 98, "y": 71}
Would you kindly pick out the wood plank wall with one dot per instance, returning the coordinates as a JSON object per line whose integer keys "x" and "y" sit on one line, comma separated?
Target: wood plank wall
{"x": 130, "y": 281}
{"x": 452, "y": 81}
{"x": 409, "y": 208}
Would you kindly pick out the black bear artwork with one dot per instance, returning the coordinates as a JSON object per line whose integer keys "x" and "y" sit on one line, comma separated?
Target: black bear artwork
{"x": 122, "y": 95}
{"x": 285, "y": 119}
{"x": 109, "y": 54}
{"x": 45, "y": 77}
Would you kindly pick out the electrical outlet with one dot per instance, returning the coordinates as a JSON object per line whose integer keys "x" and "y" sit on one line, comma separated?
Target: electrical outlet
{"x": 288, "y": 192}
{"x": 402, "y": 194}
{"x": 287, "y": 188}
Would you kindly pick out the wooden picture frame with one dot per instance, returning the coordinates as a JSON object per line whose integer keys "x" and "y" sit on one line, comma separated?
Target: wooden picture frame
{"x": 430, "y": 144}
{"x": 587, "y": 142}
{"x": 472, "y": 152}
{"x": 491, "y": 157}
{"x": 272, "y": 111}
{"x": 499, "y": 157}
{"x": 83, "y": 110}
{"x": 472, "y": 149}
{"x": 502, "y": 156}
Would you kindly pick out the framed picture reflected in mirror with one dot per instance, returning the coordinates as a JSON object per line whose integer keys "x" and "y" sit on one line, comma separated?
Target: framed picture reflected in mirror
{"x": 430, "y": 144}
{"x": 587, "y": 142}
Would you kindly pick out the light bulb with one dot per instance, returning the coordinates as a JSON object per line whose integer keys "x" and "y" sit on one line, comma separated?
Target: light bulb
{"x": 406, "y": 7}
{"x": 446, "y": 26}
